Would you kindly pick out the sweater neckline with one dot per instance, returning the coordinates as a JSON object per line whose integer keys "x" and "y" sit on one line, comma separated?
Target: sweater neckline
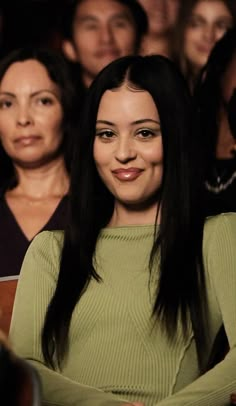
{"x": 128, "y": 232}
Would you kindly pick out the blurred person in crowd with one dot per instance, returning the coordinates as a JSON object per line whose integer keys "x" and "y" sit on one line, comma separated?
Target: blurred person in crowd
{"x": 162, "y": 15}
{"x": 98, "y": 32}
{"x": 216, "y": 103}
{"x": 125, "y": 305}
{"x": 36, "y": 109}
{"x": 200, "y": 24}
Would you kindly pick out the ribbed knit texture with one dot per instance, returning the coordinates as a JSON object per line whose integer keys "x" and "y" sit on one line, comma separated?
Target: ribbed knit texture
{"x": 114, "y": 344}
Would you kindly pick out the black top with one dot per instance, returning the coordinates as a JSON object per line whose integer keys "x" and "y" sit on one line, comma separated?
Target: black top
{"x": 13, "y": 242}
{"x": 221, "y": 187}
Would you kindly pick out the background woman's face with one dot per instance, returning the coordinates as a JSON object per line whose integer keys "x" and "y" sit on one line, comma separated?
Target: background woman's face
{"x": 31, "y": 114}
{"x": 209, "y": 20}
{"x": 128, "y": 145}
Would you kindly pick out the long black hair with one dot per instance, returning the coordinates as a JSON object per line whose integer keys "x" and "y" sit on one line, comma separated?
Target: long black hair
{"x": 58, "y": 71}
{"x": 209, "y": 93}
{"x": 181, "y": 290}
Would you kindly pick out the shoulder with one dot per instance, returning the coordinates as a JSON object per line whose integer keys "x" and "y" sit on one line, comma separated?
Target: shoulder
{"x": 225, "y": 222}
{"x": 47, "y": 244}
{"x": 49, "y": 237}
{"x": 219, "y": 240}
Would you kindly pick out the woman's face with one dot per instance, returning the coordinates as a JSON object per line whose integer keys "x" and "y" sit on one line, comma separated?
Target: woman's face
{"x": 128, "y": 145}
{"x": 209, "y": 20}
{"x": 31, "y": 114}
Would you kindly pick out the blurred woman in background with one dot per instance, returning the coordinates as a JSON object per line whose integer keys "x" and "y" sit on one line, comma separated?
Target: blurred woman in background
{"x": 36, "y": 114}
{"x": 200, "y": 24}
{"x": 216, "y": 101}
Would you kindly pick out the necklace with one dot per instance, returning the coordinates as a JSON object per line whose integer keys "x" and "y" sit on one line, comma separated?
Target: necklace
{"x": 222, "y": 176}
{"x": 221, "y": 186}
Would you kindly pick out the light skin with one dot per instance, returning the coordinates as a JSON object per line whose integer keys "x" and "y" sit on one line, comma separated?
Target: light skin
{"x": 102, "y": 32}
{"x": 128, "y": 153}
{"x": 209, "y": 21}
{"x": 162, "y": 15}
{"x": 31, "y": 133}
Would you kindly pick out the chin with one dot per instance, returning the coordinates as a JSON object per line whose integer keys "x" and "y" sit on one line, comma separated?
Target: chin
{"x": 35, "y": 161}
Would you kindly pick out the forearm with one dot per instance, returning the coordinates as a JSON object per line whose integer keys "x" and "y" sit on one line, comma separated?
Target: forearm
{"x": 59, "y": 390}
{"x": 211, "y": 389}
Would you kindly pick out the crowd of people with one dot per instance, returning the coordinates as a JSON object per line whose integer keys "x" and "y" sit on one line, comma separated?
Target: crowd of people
{"x": 118, "y": 201}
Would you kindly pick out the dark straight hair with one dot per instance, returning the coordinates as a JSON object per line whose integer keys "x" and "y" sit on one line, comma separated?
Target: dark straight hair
{"x": 209, "y": 92}
{"x": 135, "y": 8}
{"x": 181, "y": 290}
{"x": 58, "y": 71}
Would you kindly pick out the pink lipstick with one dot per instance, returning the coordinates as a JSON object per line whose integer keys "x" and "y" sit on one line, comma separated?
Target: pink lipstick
{"x": 128, "y": 174}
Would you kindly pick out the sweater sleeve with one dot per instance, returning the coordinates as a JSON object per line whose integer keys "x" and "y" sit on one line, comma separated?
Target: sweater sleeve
{"x": 214, "y": 387}
{"x": 35, "y": 288}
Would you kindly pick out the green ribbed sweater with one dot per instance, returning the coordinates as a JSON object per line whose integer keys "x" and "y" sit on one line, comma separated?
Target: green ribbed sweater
{"x": 115, "y": 352}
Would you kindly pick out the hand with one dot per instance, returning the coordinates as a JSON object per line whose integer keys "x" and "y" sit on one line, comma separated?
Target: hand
{"x": 233, "y": 398}
{"x": 135, "y": 404}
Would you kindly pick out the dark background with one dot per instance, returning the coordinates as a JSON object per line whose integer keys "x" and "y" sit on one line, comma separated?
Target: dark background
{"x": 27, "y": 22}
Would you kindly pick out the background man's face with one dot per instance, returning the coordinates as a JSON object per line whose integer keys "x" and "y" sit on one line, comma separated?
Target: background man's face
{"x": 103, "y": 31}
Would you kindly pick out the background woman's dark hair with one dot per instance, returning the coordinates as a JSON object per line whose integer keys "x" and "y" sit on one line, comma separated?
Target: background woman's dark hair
{"x": 181, "y": 290}
{"x": 208, "y": 93}
{"x": 59, "y": 73}
{"x": 138, "y": 13}
{"x": 185, "y": 11}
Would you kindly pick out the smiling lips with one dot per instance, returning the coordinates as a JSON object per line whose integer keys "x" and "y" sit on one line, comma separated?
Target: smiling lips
{"x": 128, "y": 174}
{"x": 27, "y": 140}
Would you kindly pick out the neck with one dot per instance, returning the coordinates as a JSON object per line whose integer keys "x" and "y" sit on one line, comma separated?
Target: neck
{"x": 49, "y": 180}
{"x": 225, "y": 142}
{"x": 127, "y": 216}
{"x": 153, "y": 44}
{"x": 87, "y": 79}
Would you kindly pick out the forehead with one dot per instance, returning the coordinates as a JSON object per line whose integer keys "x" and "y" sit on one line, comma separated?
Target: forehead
{"x": 211, "y": 6}
{"x": 29, "y": 73}
{"x": 101, "y": 9}
{"x": 126, "y": 104}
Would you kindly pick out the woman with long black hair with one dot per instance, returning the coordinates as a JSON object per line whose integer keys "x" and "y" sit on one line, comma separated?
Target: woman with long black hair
{"x": 125, "y": 306}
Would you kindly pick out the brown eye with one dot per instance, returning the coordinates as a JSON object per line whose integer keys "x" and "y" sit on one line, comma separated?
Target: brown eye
{"x": 5, "y": 104}
{"x": 45, "y": 101}
{"x": 105, "y": 134}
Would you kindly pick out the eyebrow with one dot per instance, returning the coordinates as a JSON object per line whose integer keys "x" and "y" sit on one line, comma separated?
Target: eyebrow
{"x": 88, "y": 17}
{"x": 3, "y": 93}
{"x": 142, "y": 121}
{"x": 200, "y": 17}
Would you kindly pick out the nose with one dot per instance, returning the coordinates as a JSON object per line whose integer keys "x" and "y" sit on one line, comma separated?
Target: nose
{"x": 106, "y": 34}
{"x": 125, "y": 151}
{"x": 210, "y": 34}
{"x": 24, "y": 116}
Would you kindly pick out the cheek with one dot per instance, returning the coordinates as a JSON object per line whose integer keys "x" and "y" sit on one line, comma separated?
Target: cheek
{"x": 51, "y": 122}
{"x": 5, "y": 132}
{"x": 190, "y": 36}
{"x": 127, "y": 40}
{"x": 219, "y": 34}
{"x": 81, "y": 44}
{"x": 153, "y": 154}
{"x": 98, "y": 155}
